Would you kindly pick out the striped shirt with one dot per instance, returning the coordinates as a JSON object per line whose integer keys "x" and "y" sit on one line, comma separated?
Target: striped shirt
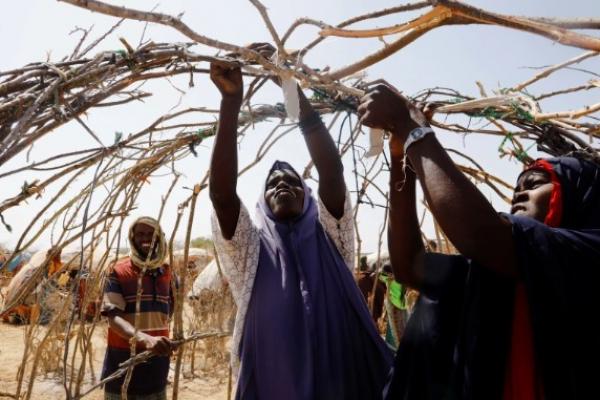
{"x": 155, "y": 309}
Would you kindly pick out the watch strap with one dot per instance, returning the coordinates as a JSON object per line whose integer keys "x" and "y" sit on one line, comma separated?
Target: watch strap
{"x": 415, "y": 135}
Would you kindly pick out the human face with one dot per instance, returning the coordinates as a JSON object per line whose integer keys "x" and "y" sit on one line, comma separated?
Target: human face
{"x": 142, "y": 238}
{"x": 284, "y": 194}
{"x": 532, "y": 195}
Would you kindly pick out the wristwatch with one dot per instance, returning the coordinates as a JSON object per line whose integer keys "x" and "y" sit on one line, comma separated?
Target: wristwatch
{"x": 417, "y": 134}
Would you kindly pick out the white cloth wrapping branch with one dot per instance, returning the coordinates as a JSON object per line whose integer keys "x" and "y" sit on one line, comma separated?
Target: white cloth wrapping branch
{"x": 289, "y": 86}
{"x": 375, "y": 142}
{"x": 290, "y": 97}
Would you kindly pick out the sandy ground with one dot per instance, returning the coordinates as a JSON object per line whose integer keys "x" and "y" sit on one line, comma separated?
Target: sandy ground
{"x": 209, "y": 385}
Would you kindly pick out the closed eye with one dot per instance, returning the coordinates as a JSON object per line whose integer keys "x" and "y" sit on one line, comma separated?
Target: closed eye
{"x": 271, "y": 184}
{"x": 293, "y": 181}
{"x": 534, "y": 184}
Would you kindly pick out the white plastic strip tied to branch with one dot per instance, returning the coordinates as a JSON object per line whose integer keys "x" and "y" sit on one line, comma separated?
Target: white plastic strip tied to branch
{"x": 375, "y": 142}
{"x": 290, "y": 96}
{"x": 289, "y": 86}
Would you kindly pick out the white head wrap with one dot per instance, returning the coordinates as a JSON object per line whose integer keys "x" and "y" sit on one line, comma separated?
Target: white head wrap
{"x": 161, "y": 247}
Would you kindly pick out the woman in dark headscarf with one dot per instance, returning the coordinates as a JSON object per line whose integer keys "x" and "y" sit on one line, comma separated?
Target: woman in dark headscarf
{"x": 513, "y": 317}
{"x": 303, "y": 330}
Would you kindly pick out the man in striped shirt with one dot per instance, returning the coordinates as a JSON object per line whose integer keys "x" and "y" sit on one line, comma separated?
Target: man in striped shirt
{"x": 147, "y": 254}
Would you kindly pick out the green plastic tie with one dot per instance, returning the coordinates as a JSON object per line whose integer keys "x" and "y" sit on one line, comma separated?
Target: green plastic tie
{"x": 118, "y": 137}
{"x": 521, "y": 113}
{"x": 508, "y": 136}
{"x": 521, "y": 155}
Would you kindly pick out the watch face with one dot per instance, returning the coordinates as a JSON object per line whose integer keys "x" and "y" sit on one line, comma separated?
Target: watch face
{"x": 419, "y": 133}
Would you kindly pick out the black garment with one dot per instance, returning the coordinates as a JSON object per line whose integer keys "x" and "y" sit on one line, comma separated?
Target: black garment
{"x": 457, "y": 342}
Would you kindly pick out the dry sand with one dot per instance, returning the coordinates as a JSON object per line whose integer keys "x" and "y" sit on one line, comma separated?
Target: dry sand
{"x": 209, "y": 385}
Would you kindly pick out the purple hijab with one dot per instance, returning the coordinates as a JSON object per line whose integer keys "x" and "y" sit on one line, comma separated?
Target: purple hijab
{"x": 308, "y": 333}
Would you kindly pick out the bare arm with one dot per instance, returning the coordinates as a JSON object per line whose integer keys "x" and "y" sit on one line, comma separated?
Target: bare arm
{"x": 321, "y": 147}
{"x": 323, "y": 152}
{"x": 223, "y": 163}
{"x": 158, "y": 344}
{"x": 404, "y": 234}
{"x": 465, "y": 215}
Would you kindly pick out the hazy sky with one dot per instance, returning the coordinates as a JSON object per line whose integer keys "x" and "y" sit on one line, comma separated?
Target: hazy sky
{"x": 454, "y": 56}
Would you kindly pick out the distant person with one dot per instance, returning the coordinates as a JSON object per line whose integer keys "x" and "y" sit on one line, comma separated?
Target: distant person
{"x": 514, "y": 315}
{"x": 374, "y": 293}
{"x": 395, "y": 304}
{"x": 303, "y": 330}
{"x": 148, "y": 249}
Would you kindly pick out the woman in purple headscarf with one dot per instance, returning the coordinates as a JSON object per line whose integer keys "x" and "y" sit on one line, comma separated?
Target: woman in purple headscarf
{"x": 302, "y": 330}
{"x": 514, "y": 316}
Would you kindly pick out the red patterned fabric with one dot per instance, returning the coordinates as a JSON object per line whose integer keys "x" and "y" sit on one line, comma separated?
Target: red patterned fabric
{"x": 155, "y": 308}
{"x": 555, "y": 209}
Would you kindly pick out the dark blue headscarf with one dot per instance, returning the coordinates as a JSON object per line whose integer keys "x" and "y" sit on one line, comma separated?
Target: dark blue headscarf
{"x": 457, "y": 341}
{"x": 560, "y": 268}
{"x": 308, "y": 333}
{"x": 580, "y": 181}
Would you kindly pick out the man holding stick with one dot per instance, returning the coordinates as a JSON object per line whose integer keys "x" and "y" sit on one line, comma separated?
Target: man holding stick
{"x": 147, "y": 253}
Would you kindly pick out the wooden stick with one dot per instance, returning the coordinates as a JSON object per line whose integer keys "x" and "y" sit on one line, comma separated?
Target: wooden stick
{"x": 167, "y": 20}
{"x": 552, "y": 32}
{"x": 265, "y": 16}
{"x": 180, "y": 291}
{"x": 438, "y": 13}
{"x": 554, "y": 68}
{"x": 387, "y": 51}
{"x": 145, "y": 356}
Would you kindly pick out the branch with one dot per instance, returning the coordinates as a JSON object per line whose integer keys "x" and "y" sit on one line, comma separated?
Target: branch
{"x": 385, "y": 52}
{"x": 554, "y": 68}
{"x": 145, "y": 356}
{"x": 570, "y": 23}
{"x": 587, "y": 110}
{"x": 265, "y": 16}
{"x": 168, "y": 20}
{"x": 438, "y": 13}
{"x": 555, "y": 33}
{"x": 377, "y": 14}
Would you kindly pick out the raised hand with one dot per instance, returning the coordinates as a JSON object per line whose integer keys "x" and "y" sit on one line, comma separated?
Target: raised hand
{"x": 385, "y": 108}
{"x": 228, "y": 80}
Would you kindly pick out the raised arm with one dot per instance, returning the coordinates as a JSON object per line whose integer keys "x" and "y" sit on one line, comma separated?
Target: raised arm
{"x": 223, "y": 163}
{"x": 465, "y": 215}
{"x": 322, "y": 149}
{"x": 405, "y": 244}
